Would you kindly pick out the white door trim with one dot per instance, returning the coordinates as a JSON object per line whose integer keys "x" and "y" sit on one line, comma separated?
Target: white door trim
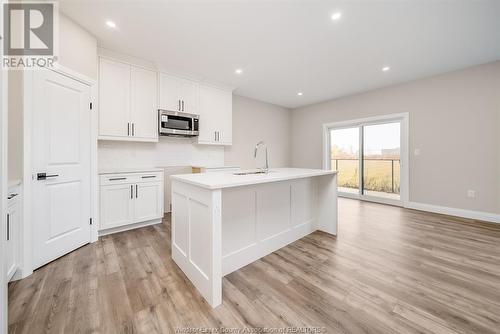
{"x": 26, "y": 265}
{"x": 405, "y": 176}
{"x": 3, "y": 189}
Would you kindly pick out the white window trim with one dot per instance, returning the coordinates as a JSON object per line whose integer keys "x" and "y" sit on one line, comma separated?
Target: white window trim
{"x": 405, "y": 176}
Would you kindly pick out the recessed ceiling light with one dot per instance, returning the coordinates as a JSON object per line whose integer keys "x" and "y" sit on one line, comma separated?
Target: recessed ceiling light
{"x": 386, "y": 68}
{"x": 336, "y": 16}
{"x": 111, "y": 24}
{"x": 238, "y": 71}
{"x": 300, "y": 93}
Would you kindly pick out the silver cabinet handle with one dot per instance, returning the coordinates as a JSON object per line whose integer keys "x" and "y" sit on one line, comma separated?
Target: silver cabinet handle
{"x": 131, "y": 191}
{"x": 136, "y": 192}
{"x": 8, "y": 227}
{"x": 149, "y": 177}
{"x": 117, "y": 178}
{"x": 128, "y": 128}
{"x": 179, "y": 104}
{"x": 133, "y": 129}
{"x": 182, "y": 105}
{"x": 215, "y": 135}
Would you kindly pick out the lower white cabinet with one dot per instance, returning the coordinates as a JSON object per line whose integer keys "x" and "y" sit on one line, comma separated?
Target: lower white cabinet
{"x": 12, "y": 233}
{"x": 130, "y": 198}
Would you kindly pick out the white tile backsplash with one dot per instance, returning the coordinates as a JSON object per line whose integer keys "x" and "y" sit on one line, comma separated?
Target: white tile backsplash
{"x": 169, "y": 151}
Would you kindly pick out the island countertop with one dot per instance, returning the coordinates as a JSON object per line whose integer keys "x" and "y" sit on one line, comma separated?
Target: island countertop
{"x": 227, "y": 180}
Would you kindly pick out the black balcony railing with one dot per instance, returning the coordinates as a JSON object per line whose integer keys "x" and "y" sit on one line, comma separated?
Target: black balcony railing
{"x": 380, "y": 174}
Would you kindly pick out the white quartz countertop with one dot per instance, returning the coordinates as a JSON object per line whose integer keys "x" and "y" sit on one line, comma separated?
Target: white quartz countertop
{"x": 228, "y": 179}
{"x": 130, "y": 170}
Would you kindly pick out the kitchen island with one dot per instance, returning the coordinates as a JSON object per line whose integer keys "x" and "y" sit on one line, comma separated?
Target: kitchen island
{"x": 223, "y": 221}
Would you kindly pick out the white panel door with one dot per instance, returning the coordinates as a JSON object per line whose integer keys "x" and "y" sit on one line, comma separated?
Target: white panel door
{"x": 114, "y": 98}
{"x": 144, "y": 104}
{"x": 148, "y": 202}
{"x": 116, "y": 205}
{"x": 189, "y": 96}
{"x": 61, "y": 149}
{"x": 170, "y": 93}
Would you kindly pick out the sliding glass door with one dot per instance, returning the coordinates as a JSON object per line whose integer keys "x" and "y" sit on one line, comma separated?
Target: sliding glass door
{"x": 367, "y": 154}
{"x": 345, "y": 158}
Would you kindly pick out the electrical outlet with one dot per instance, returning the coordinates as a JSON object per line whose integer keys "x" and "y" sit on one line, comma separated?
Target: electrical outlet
{"x": 417, "y": 151}
{"x": 471, "y": 193}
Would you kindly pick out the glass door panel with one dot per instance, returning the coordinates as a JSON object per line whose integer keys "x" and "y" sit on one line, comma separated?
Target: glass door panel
{"x": 381, "y": 160}
{"x": 344, "y": 158}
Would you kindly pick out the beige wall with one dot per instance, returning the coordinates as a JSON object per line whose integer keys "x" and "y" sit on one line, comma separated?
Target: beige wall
{"x": 78, "y": 52}
{"x": 77, "y": 48}
{"x": 15, "y": 145}
{"x": 254, "y": 121}
{"x": 454, "y": 121}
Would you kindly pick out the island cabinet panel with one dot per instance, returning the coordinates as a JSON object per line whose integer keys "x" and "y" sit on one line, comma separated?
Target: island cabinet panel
{"x": 239, "y": 230}
{"x": 196, "y": 237}
{"x": 217, "y": 230}
{"x": 273, "y": 209}
{"x": 260, "y": 219}
{"x": 302, "y": 198}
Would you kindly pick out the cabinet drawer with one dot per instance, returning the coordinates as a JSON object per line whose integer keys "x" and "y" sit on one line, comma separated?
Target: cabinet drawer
{"x": 126, "y": 178}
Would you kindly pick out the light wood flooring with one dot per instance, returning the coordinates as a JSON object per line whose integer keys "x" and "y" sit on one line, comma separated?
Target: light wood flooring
{"x": 390, "y": 270}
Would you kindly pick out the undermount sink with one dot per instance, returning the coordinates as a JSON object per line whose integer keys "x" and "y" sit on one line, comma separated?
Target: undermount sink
{"x": 250, "y": 172}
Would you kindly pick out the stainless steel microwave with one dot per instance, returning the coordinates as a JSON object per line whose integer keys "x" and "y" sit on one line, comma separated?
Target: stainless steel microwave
{"x": 175, "y": 123}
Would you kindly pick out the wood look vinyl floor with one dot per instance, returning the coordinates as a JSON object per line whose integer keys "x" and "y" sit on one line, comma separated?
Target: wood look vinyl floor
{"x": 390, "y": 270}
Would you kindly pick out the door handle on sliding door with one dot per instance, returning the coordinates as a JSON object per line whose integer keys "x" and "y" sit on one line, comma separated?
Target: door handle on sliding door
{"x": 44, "y": 176}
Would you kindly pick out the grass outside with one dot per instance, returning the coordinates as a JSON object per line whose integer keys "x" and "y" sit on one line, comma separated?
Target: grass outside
{"x": 378, "y": 175}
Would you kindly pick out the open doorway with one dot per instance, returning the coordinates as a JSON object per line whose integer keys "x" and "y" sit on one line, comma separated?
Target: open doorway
{"x": 370, "y": 156}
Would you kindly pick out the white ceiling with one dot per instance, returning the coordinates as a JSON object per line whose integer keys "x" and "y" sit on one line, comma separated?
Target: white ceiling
{"x": 289, "y": 46}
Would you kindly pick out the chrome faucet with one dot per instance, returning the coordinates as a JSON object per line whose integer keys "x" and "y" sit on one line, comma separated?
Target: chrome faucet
{"x": 259, "y": 144}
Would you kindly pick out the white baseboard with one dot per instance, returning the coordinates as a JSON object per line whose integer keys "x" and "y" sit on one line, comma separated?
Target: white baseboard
{"x": 470, "y": 214}
{"x": 129, "y": 227}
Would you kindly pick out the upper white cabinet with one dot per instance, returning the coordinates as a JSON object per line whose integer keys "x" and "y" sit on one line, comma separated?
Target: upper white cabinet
{"x": 114, "y": 98}
{"x": 127, "y": 102}
{"x": 144, "y": 103}
{"x": 177, "y": 94}
{"x": 130, "y": 96}
{"x": 216, "y": 116}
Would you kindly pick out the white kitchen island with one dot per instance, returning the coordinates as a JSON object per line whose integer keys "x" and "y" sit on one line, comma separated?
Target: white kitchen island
{"x": 222, "y": 222}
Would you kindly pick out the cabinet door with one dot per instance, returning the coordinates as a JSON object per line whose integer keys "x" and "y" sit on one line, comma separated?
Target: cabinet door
{"x": 148, "y": 201}
{"x": 144, "y": 105}
{"x": 208, "y": 115}
{"x": 114, "y": 98}
{"x": 116, "y": 205}
{"x": 170, "y": 93}
{"x": 215, "y": 116}
{"x": 225, "y": 119}
{"x": 189, "y": 96}
{"x": 12, "y": 244}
